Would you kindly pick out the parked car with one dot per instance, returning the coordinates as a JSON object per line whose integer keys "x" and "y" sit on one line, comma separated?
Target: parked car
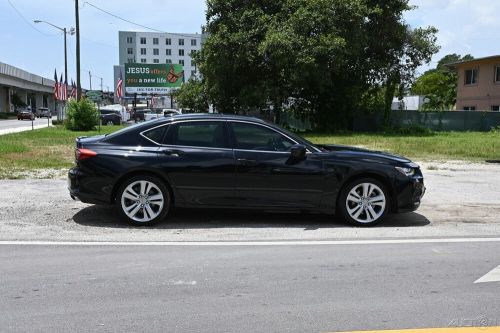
{"x": 203, "y": 160}
{"x": 139, "y": 115}
{"x": 43, "y": 113}
{"x": 25, "y": 114}
{"x": 110, "y": 117}
{"x": 158, "y": 113}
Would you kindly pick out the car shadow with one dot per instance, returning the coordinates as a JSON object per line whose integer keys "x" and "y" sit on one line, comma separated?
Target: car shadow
{"x": 107, "y": 216}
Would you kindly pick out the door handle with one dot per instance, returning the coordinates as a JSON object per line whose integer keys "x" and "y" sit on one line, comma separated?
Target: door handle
{"x": 173, "y": 152}
{"x": 245, "y": 162}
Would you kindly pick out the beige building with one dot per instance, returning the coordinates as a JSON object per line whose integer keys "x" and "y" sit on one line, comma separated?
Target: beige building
{"x": 478, "y": 84}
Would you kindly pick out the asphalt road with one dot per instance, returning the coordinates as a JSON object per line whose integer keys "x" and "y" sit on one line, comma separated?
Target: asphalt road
{"x": 15, "y": 125}
{"x": 302, "y": 288}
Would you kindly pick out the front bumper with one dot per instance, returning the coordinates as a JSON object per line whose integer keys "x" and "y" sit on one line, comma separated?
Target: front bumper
{"x": 411, "y": 195}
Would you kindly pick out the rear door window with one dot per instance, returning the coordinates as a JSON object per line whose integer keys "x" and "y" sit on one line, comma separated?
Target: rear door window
{"x": 209, "y": 134}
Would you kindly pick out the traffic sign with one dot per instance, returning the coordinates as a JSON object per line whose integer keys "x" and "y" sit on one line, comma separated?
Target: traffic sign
{"x": 94, "y": 95}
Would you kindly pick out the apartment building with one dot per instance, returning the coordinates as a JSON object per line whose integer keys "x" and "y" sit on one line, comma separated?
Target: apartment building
{"x": 478, "y": 84}
{"x": 157, "y": 48}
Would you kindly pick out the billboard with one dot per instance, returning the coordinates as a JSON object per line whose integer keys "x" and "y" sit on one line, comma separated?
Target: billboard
{"x": 152, "y": 78}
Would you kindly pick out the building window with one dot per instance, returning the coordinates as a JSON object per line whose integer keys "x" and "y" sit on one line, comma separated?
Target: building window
{"x": 168, "y": 41}
{"x": 497, "y": 74}
{"x": 181, "y": 52}
{"x": 469, "y": 108}
{"x": 471, "y": 76}
{"x": 143, "y": 60}
{"x": 193, "y": 42}
{"x": 143, "y": 40}
{"x": 181, "y": 41}
{"x": 181, "y": 62}
{"x": 130, "y": 60}
{"x": 156, "y": 52}
{"x": 168, "y": 52}
{"x": 129, "y": 40}
{"x": 143, "y": 51}
{"x": 155, "y": 41}
{"x": 495, "y": 108}
{"x": 168, "y": 61}
{"x": 156, "y": 61}
{"x": 130, "y": 50}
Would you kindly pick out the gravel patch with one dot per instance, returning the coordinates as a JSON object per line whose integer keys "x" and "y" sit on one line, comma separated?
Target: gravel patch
{"x": 461, "y": 200}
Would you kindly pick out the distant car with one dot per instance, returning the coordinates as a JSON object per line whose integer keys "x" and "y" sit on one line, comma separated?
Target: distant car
{"x": 171, "y": 112}
{"x": 138, "y": 115}
{"x": 43, "y": 113}
{"x": 109, "y": 117}
{"x": 25, "y": 114}
{"x": 158, "y": 113}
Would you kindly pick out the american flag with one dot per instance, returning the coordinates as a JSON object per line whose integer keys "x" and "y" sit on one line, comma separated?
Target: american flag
{"x": 73, "y": 89}
{"x": 56, "y": 86}
{"x": 119, "y": 86}
{"x": 62, "y": 95}
{"x": 153, "y": 101}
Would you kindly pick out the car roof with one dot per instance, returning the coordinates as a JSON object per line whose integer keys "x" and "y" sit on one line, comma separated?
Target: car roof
{"x": 210, "y": 116}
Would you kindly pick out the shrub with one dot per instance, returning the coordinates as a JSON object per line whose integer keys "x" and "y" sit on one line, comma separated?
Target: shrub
{"x": 412, "y": 130}
{"x": 82, "y": 115}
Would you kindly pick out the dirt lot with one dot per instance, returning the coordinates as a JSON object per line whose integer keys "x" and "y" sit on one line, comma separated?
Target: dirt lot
{"x": 462, "y": 199}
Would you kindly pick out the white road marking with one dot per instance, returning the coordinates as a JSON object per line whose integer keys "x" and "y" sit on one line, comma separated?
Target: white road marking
{"x": 492, "y": 276}
{"x": 259, "y": 243}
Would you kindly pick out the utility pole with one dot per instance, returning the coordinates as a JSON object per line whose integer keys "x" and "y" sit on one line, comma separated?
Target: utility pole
{"x": 77, "y": 22}
{"x": 101, "y": 84}
{"x": 90, "y": 79}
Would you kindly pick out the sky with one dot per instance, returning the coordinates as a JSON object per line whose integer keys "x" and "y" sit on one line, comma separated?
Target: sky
{"x": 465, "y": 27}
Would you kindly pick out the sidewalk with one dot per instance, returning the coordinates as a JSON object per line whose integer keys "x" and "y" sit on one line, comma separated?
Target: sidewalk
{"x": 38, "y": 125}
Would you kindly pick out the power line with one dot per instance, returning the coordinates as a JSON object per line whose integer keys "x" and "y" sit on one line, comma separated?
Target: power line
{"x": 134, "y": 23}
{"x": 27, "y": 21}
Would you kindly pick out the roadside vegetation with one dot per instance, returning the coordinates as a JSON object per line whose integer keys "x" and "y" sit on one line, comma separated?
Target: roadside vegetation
{"x": 49, "y": 152}
{"x": 466, "y": 146}
{"x": 26, "y": 154}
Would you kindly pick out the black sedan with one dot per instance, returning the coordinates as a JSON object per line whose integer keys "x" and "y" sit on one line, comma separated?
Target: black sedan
{"x": 224, "y": 161}
{"x": 110, "y": 117}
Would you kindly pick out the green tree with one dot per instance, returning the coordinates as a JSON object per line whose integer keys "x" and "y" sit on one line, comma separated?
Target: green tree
{"x": 327, "y": 52}
{"x": 439, "y": 85}
{"x": 81, "y": 115}
{"x": 192, "y": 96}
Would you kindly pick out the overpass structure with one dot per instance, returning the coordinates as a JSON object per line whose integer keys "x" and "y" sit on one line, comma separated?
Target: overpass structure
{"x": 31, "y": 89}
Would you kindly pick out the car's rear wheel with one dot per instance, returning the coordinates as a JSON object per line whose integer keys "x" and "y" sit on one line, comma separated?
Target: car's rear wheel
{"x": 364, "y": 202}
{"x": 143, "y": 200}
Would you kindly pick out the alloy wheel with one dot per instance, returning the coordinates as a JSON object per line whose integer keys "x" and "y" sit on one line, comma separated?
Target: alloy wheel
{"x": 365, "y": 203}
{"x": 142, "y": 201}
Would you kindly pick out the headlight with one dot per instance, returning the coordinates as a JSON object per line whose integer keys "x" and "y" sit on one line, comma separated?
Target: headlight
{"x": 406, "y": 171}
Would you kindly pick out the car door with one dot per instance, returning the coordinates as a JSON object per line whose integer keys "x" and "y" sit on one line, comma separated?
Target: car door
{"x": 199, "y": 163}
{"x": 265, "y": 174}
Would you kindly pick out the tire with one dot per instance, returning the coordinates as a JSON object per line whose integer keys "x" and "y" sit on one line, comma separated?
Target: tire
{"x": 364, "y": 202}
{"x": 143, "y": 201}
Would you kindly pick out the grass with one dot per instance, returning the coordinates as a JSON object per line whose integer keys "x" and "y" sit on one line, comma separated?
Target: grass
{"x": 47, "y": 148}
{"x": 26, "y": 153}
{"x": 469, "y": 146}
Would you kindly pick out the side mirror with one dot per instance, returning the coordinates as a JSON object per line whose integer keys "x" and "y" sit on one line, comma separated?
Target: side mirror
{"x": 298, "y": 153}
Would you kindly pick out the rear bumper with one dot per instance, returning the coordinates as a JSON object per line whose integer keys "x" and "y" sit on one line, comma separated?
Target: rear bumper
{"x": 77, "y": 181}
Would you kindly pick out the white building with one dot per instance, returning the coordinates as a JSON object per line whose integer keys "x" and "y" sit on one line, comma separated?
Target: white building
{"x": 159, "y": 48}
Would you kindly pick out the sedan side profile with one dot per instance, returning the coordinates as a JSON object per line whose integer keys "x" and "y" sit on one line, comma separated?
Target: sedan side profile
{"x": 220, "y": 161}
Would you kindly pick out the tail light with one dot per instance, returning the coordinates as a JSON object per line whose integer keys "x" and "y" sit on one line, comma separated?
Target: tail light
{"x": 82, "y": 154}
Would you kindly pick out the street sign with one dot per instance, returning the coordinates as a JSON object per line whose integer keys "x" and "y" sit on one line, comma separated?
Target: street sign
{"x": 156, "y": 79}
{"x": 94, "y": 95}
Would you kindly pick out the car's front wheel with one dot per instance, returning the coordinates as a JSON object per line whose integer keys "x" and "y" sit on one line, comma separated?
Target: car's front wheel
{"x": 364, "y": 202}
{"x": 143, "y": 200}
